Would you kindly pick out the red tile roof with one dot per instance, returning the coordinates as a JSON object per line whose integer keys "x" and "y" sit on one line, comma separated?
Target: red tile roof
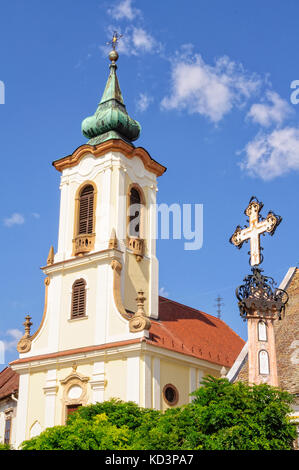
{"x": 9, "y": 382}
{"x": 186, "y": 330}
{"x": 181, "y": 329}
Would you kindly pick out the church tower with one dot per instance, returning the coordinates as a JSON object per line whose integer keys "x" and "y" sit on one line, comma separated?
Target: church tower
{"x": 105, "y": 332}
{"x": 102, "y": 283}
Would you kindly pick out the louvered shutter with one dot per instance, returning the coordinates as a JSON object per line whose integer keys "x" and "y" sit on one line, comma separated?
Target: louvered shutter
{"x": 78, "y": 299}
{"x": 86, "y": 210}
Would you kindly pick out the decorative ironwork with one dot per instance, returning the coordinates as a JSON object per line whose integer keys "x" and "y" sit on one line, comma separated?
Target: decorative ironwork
{"x": 258, "y": 296}
{"x": 257, "y": 227}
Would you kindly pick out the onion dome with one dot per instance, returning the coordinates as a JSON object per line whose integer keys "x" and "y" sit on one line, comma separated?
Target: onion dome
{"x": 111, "y": 120}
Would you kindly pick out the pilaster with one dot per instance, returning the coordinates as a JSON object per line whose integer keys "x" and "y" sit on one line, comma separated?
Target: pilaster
{"x": 50, "y": 391}
{"x": 22, "y": 409}
{"x": 97, "y": 383}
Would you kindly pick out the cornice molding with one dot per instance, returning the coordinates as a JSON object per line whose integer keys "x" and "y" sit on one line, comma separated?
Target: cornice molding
{"x": 108, "y": 255}
{"x": 113, "y": 145}
{"x": 121, "y": 349}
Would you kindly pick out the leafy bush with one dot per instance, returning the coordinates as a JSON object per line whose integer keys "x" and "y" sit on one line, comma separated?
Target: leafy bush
{"x": 222, "y": 416}
{"x": 4, "y": 446}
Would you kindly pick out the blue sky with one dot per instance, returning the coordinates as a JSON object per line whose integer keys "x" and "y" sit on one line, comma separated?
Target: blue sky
{"x": 209, "y": 81}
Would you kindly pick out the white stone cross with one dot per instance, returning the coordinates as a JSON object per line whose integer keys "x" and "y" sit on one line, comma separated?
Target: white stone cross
{"x": 256, "y": 228}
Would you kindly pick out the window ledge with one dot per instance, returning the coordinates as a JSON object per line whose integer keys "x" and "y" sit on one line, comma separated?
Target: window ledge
{"x": 77, "y": 319}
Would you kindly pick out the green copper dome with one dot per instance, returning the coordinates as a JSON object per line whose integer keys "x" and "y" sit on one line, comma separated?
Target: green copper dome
{"x": 111, "y": 120}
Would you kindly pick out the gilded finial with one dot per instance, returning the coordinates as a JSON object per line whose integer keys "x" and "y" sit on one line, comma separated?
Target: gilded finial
{"x": 50, "y": 259}
{"x": 27, "y": 324}
{"x": 113, "y": 56}
{"x": 24, "y": 345}
{"x": 113, "y": 243}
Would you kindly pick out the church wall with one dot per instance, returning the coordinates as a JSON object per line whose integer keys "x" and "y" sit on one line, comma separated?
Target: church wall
{"x": 136, "y": 278}
{"x": 177, "y": 375}
{"x": 144, "y": 273}
{"x": 8, "y": 407}
{"x": 36, "y": 401}
{"x": 213, "y": 372}
{"x": 84, "y": 370}
{"x": 80, "y": 331}
{"x": 116, "y": 376}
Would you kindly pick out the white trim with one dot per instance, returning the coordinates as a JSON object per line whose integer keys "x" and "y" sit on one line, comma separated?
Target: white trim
{"x": 200, "y": 376}
{"x": 22, "y": 409}
{"x": 102, "y": 303}
{"x": 156, "y": 384}
{"x": 147, "y": 389}
{"x": 50, "y": 391}
{"x": 238, "y": 364}
{"x": 286, "y": 280}
{"x": 133, "y": 379}
{"x": 97, "y": 383}
{"x": 192, "y": 382}
{"x": 118, "y": 351}
{"x": 71, "y": 263}
{"x": 54, "y": 307}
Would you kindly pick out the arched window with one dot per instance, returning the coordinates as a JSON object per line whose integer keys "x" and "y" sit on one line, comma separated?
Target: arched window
{"x": 78, "y": 299}
{"x": 262, "y": 331}
{"x": 136, "y": 221}
{"x": 86, "y": 210}
{"x": 264, "y": 366}
{"x": 134, "y": 213}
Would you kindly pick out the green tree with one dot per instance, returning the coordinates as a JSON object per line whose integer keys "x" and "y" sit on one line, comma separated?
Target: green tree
{"x": 97, "y": 433}
{"x": 222, "y": 416}
{"x": 239, "y": 416}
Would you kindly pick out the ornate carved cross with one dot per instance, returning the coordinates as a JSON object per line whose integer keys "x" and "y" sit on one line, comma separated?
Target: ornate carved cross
{"x": 256, "y": 228}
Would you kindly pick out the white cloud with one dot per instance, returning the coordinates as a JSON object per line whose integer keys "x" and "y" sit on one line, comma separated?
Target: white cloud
{"x": 163, "y": 292}
{"x": 143, "y": 40}
{"x": 14, "y": 335}
{"x": 209, "y": 90}
{"x": 124, "y": 10}
{"x": 143, "y": 102}
{"x": 273, "y": 113}
{"x": 135, "y": 41}
{"x": 272, "y": 154}
{"x": 14, "y": 219}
